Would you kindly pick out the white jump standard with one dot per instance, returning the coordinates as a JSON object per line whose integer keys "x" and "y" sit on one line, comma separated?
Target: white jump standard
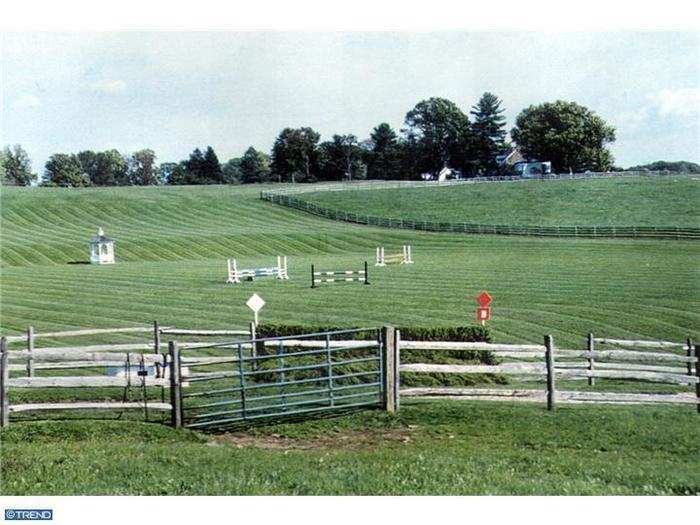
{"x": 403, "y": 257}
{"x": 339, "y": 276}
{"x": 236, "y": 275}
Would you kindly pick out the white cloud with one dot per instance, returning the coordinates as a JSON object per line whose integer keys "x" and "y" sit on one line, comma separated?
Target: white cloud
{"x": 109, "y": 86}
{"x": 26, "y": 101}
{"x": 683, "y": 102}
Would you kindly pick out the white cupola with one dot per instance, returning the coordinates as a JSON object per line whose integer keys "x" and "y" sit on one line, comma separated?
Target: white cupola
{"x": 101, "y": 249}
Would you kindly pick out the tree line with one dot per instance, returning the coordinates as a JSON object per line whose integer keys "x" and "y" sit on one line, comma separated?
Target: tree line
{"x": 436, "y": 134}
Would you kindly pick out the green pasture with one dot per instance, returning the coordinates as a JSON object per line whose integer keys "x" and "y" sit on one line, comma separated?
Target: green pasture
{"x": 171, "y": 247}
{"x": 428, "y": 448}
{"x": 624, "y": 201}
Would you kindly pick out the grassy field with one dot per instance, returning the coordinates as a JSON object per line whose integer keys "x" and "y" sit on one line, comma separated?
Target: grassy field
{"x": 172, "y": 244}
{"x": 629, "y": 201}
{"x": 429, "y": 448}
{"x": 171, "y": 249}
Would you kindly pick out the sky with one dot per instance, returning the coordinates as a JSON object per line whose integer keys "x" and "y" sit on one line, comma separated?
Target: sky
{"x": 174, "y": 91}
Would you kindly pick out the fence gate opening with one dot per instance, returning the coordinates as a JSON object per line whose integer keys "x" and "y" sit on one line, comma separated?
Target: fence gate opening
{"x": 262, "y": 380}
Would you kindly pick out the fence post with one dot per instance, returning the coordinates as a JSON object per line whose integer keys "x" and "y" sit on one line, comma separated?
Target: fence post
{"x": 30, "y": 351}
{"x": 4, "y": 387}
{"x": 689, "y": 353}
{"x": 313, "y": 281}
{"x": 697, "y": 374}
{"x": 257, "y": 348}
{"x": 175, "y": 399}
{"x": 389, "y": 368}
{"x": 549, "y": 358}
{"x": 397, "y": 372}
{"x": 591, "y": 360}
{"x": 156, "y": 337}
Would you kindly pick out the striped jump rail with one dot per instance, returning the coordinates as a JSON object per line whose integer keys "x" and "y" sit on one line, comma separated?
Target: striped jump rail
{"x": 339, "y": 276}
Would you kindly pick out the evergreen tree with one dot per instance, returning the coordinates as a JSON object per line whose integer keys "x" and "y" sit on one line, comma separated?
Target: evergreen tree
{"x": 490, "y": 133}
{"x": 211, "y": 168}
{"x": 194, "y": 169}
{"x": 489, "y": 121}
{"x": 384, "y": 157}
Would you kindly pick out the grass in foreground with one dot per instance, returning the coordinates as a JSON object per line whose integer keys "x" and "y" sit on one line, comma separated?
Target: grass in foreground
{"x": 628, "y": 201}
{"x": 429, "y": 448}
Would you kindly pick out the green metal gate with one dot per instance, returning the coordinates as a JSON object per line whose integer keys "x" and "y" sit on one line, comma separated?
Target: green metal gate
{"x": 262, "y": 380}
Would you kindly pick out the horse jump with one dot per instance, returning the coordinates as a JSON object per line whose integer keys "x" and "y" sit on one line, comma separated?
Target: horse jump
{"x": 235, "y": 275}
{"x": 403, "y": 257}
{"x": 345, "y": 276}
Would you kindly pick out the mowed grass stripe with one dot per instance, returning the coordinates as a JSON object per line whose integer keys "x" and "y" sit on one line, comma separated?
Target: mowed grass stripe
{"x": 525, "y": 313}
{"x": 171, "y": 267}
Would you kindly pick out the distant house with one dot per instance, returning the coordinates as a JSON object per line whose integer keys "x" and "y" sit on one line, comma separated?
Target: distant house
{"x": 509, "y": 158}
{"x": 515, "y": 162}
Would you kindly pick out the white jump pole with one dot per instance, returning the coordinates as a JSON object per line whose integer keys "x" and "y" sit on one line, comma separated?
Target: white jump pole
{"x": 407, "y": 254}
{"x": 380, "y": 256}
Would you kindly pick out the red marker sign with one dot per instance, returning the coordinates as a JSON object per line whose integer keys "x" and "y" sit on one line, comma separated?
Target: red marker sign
{"x": 484, "y": 299}
{"x": 483, "y": 312}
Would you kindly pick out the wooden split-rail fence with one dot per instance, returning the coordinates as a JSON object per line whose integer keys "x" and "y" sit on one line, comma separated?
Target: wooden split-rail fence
{"x": 145, "y": 365}
{"x": 124, "y": 365}
{"x": 663, "y": 362}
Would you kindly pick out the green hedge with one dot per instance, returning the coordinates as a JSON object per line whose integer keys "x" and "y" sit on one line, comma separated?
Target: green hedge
{"x": 413, "y": 333}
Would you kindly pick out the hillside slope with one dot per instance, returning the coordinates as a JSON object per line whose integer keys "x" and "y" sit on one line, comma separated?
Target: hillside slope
{"x": 53, "y": 225}
{"x": 629, "y": 201}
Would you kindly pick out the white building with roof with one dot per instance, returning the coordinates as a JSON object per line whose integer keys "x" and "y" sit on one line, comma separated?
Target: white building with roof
{"x": 101, "y": 248}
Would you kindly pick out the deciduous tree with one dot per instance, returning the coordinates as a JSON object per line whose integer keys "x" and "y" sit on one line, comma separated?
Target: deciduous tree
{"x": 341, "y": 159}
{"x": 142, "y": 168}
{"x": 105, "y": 168}
{"x": 16, "y": 167}
{"x": 438, "y": 132}
{"x": 254, "y": 166}
{"x": 65, "y": 170}
{"x": 571, "y": 136}
{"x": 295, "y": 155}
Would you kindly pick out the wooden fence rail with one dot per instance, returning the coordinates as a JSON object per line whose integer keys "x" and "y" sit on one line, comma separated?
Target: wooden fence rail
{"x": 667, "y": 362}
{"x": 131, "y": 357}
{"x": 596, "y": 365}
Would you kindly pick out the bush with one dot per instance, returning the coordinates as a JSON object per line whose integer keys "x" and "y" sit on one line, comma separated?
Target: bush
{"x": 435, "y": 333}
